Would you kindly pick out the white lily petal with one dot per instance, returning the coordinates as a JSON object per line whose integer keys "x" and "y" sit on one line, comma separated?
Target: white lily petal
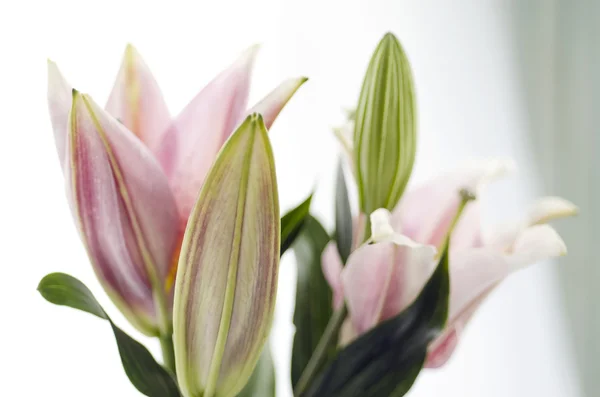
{"x": 536, "y": 243}
{"x": 544, "y": 210}
{"x": 381, "y": 226}
{"x": 476, "y": 272}
{"x": 486, "y": 171}
{"x": 550, "y": 208}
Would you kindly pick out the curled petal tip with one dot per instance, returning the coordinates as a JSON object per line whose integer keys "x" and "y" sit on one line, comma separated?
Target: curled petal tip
{"x": 537, "y": 243}
{"x": 549, "y": 208}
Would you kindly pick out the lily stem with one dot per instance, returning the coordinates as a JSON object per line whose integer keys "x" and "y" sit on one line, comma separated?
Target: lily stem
{"x": 168, "y": 352}
{"x": 319, "y": 356}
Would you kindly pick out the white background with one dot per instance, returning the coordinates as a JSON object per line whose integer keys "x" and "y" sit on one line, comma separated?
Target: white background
{"x": 470, "y": 104}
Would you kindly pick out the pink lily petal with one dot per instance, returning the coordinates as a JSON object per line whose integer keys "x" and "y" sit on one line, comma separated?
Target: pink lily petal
{"x": 475, "y": 273}
{"x": 191, "y": 143}
{"x": 137, "y": 102}
{"x": 426, "y": 213}
{"x": 124, "y": 209}
{"x": 59, "y": 105}
{"x": 332, "y": 270}
{"x": 443, "y": 347}
{"x": 380, "y": 280}
{"x": 467, "y": 233}
{"x": 544, "y": 210}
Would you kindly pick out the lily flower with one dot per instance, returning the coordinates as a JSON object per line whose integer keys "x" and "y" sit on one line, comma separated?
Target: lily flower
{"x": 133, "y": 173}
{"x": 384, "y": 276}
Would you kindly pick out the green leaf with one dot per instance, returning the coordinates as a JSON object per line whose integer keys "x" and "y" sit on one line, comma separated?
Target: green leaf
{"x": 385, "y": 132}
{"x": 313, "y": 295}
{"x": 386, "y": 360}
{"x": 149, "y": 377}
{"x": 343, "y": 216}
{"x": 292, "y": 223}
{"x": 262, "y": 381}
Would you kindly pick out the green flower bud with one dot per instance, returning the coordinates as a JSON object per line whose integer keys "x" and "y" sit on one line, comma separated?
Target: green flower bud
{"x": 385, "y": 131}
{"x": 227, "y": 275}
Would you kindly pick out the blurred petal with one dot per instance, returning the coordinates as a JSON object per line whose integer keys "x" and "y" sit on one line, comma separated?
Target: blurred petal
{"x": 550, "y": 208}
{"x": 191, "y": 143}
{"x": 136, "y": 100}
{"x": 59, "y": 105}
{"x": 124, "y": 208}
{"x": 366, "y": 281}
{"x": 425, "y": 213}
{"x": 467, "y": 233}
{"x": 332, "y": 270}
{"x": 479, "y": 173}
{"x": 544, "y": 210}
{"x": 472, "y": 272}
{"x": 380, "y": 280}
{"x": 536, "y": 243}
{"x": 475, "y": 273}
{"x": 227, "y": 277}
{"x": 381, "y": 228}
{"x": 442, "y": 348}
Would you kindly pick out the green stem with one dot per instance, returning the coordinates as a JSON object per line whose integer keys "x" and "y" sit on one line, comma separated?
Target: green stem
{"x": 466, "y": 196}
{"x": 168, "y": 352}
{"x": 319, "y": 356}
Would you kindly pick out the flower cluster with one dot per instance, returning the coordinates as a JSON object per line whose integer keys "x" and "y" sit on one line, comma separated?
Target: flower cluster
{"x": 181, "y": 223}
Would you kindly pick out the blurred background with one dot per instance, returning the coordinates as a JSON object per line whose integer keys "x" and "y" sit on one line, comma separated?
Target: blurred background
{"x": 493, "y": 78}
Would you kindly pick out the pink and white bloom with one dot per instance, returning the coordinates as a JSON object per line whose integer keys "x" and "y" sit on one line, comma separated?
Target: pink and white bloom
{"x": 384, "y": 277}
{"x": 133, "y": 173}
